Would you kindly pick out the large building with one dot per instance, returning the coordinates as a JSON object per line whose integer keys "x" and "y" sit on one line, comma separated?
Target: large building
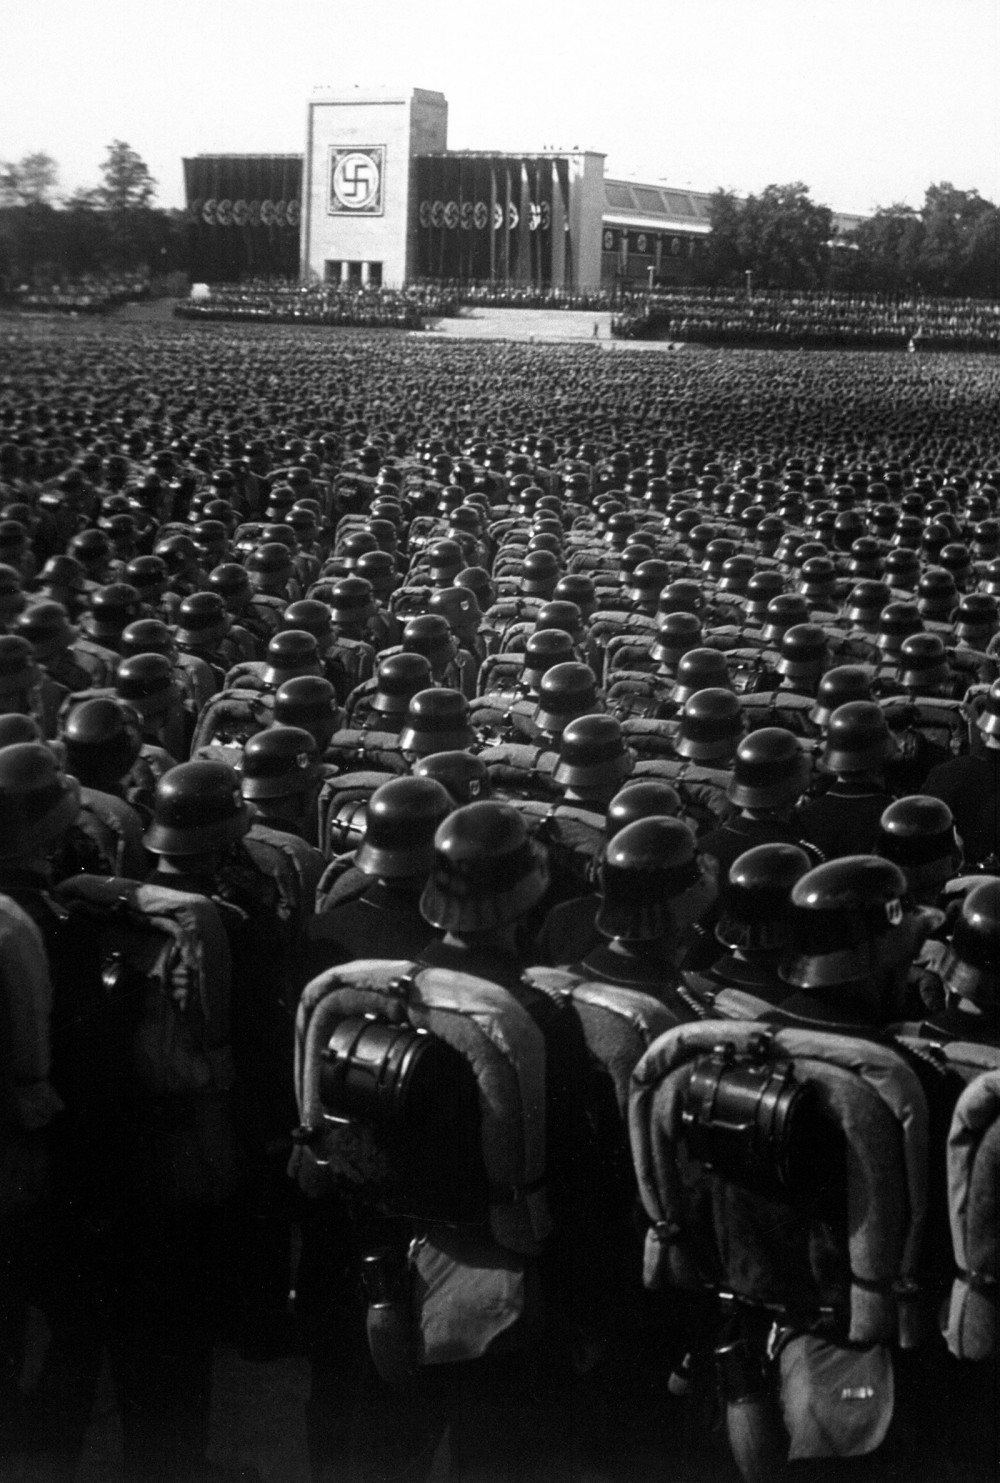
{"x": 378, "y": 198}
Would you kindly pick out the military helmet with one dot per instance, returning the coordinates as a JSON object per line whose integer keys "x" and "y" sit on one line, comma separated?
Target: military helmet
{"x": 770, "y": 770}
{"x": 147, "y": 636}
{"x": 310, "y": 615}
{"x": 755, "y": 899}
{"x": 202, "y": 620}
{"x": 917, "y": 830}
{"x": 229, "y": 580}
{"x": 785, "y": 611}
{"x": 937, "y": 594}
{"x": 461, "y": 774}
{"x": 971, "y": 965}
{"x": 639, "y": 798}
{"x": 402, "y": 818}
{"x": 858, "y": 738}
{"x": 101, "y": 740}
{"x": 112, "y": 608}
{"x": 351, "y": 601}
{"x": 540, "y": 574}
{"x": 988, "y": 719}
{"x": 901, "y": 569}
{"x": 557, "y": 613}
{"x": 38, "y": 803}
{"x": 677, "y": 634}
{"x": 479, "y": 582}
{"x": 803, "y": 653}
{"x": 147, "y": 682}
{"x": 279, "y": 762}
{"x": 147, "y": 574}
{"x": 701, "y": 669}
{"x": 565, "y": 691}
{"x": 922, "y": 664}
{"x": 866, "y": 602}
{"x": 545, "y": 648}
{"x": 711, "y": 726}
{"x": 841, "y": 911}
{"x": 430, "y": 634}
{"x": 47, "y": 628}
{"x": 898, "y": 621}
{"x": 977, "y": 617}
{"x": 17, "y": 727}
{"x": 592, "y": 754}
{"x": 291, "y": 652}
{"x": 398, "y": 678}
{"x": 305, "y": 700}
{"x": 838, "y": 686}
{"x": 760, "y": 589}
{"x": 577, "y": 587}
{"x": 437, "y": 720}
{"x": 646, "y": 866}
{"x": 197, "y": 807}
{"x": 487, "y": 872}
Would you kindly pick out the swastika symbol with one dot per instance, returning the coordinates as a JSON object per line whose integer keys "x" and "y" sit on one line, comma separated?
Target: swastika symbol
{"x": 356, "y": 180}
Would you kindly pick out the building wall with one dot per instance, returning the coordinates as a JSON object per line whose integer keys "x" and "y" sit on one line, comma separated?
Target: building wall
{"x": 387, "y": 127}
{"x": 586, "y": 212}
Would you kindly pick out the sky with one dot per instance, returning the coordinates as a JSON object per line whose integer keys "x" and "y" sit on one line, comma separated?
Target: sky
{"x": 865, "y": 101}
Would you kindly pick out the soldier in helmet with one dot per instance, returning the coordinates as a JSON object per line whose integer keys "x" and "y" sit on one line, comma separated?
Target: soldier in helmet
{"x": 651, "y": 889}
{"x": 149, "y": 685}
{"x": 594, "y": 761}
{"x": 281, "y": 777}
{"x": 969, "y": 970}
{"x": 309, "y": 701}
{"x": 200, "y": 822}
{"x": 437, "y": 720}
{"x": 970, "y": 786}
{"x": 25, "y": 688}
{"x": 754, "y": 925}
{"x": 845, "y": 819}
{"x": 372, "y": 900}
{"x": 770, "y": 775}
{"x": 854, "y": 938}
{"x": 918, "y": 834}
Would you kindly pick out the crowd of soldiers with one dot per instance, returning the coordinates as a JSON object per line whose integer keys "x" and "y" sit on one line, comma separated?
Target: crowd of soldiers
{"x": 818, "y": 319}
{"x": 347, "y": 305}
{"x": 555, "y": 684}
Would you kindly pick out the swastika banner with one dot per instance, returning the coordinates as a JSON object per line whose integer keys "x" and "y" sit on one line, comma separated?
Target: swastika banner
{"x": 243, "y": 214}
{"x": 357, "y": 180}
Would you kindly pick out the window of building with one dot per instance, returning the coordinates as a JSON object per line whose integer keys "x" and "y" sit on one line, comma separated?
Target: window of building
{"x": 375, "y": 275}
{"x": 331, "y": 270}
{"x": 354, "y": 272}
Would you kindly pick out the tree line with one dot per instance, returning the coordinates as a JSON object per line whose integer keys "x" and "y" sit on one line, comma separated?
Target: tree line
{"x": 781, "y": 237}
{"x": 110, "y": 229}
{"x": 784, "y": 240}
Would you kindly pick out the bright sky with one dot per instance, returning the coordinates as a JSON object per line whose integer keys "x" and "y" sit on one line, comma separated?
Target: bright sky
{"x": 866, "y": 101}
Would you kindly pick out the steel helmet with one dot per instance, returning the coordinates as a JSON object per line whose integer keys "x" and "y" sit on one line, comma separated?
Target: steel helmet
{"x": 352, "y": 601}
{"x": 770, "y": 770}
{"x": 437, "y": 720}
{"x": 755, "y": 900}
{"x": 922, "y": 664}
{"x": 306, "y": 700}
{"x": 47, "y": 628}
{"x": 592, "y": 754}
{"x": 711, "y": 726}
{"x": 101, "y": 740}
{"x": 197, "y": 807}
{"x": 916, "y": 831}
{"x": 147, "y": 682}
{"x": 971, "y": 965}
{"x": 701, "y": 669}
{"x": 402, "y": 819}
{"x": 677, "y": 634}
{"x": 398, "y": 678}
{"x": 202, "y": 620}
{"x": 785, "y": 611}
{"x": 566, "y": 690}
{"x": 858, "y": 738}
{"x": 38, "y": 803}
{"x": 841, "y": 911}
{"x": 430, "y": 634}
{"x": 838, "y": 686}
{"x": 487, "y": 872}
{"x": 279, "y": 762}
{"x": 289, "y": 653}
{"x": 804, "y": 653}
{"x": 646, "y": 866}
{"x": 640, "y": 798}
{"x": 461, "y": 774}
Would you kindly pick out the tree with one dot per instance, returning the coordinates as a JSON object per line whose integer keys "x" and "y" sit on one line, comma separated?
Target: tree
{"x": 783, "y": 237}
{"x": 126, "y": 183}
{"x": 30, "y": 181}
{"x": 890, "y": 243}
{"x": 949, "y": 216}
{"x": 723, "y": 262}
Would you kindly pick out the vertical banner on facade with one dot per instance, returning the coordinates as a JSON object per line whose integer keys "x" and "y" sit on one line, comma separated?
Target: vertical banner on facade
{"x": 495, "y": 213}
{"x": 524, "y": 228}
{"x": 508, "y": 230}
{"x": 243, "y": 216}
{"x": 562, "y": 169}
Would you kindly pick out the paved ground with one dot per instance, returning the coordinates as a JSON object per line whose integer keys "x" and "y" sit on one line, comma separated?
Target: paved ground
{"x": 555, "y": 325}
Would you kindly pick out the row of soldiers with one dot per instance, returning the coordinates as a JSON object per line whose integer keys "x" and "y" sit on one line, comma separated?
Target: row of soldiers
{"x": 476, "y": 713}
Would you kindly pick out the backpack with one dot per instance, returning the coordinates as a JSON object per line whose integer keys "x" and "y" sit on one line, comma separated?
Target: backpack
{"x": 375, "y": 751}
{"x": 166, "y": 961}
{"x": 702, "y": 790}
{"x": 521, "y": 770}
{"x": 342, "y": 808}
{"x": 974, "y": 1209}
{"x": 650, "y": 738}
{"x": 944, "y": 723}
{"x": 116, "y": 830}
{"x": 500, "y": 672}
{"x": 627, "y": 654}
{"x": 757, "y": 1147}
{"x": 293, "y": 865}
{"x": 635, "y": 694}
{"x": 231, "y": 718}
